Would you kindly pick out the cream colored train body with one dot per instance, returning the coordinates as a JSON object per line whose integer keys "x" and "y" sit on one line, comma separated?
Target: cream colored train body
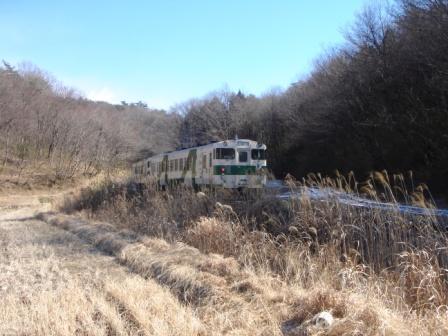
{"x": 227, "y": 164}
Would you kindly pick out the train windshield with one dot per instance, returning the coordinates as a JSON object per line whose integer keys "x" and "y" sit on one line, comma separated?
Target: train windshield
{"x": 258, "y": 154}
{"x": 242, "y": 156}
{"x": 225, "y": 153}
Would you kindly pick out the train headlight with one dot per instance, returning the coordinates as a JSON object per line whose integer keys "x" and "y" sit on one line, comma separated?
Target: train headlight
{"x": 223, "y": 170}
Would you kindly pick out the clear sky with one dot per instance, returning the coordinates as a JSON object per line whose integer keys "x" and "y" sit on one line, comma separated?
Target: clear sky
{"x": 165, "y": 52}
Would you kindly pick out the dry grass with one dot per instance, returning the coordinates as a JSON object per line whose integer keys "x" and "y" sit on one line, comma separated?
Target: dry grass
{"x": 181, "y": 263}
{"x": 243, "y": 299}
{"x": 379, "y": 273}
{"x": 52, "y": 283}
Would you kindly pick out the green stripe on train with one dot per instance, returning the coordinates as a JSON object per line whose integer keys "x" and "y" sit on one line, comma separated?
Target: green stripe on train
{"x": 234, "y": 170}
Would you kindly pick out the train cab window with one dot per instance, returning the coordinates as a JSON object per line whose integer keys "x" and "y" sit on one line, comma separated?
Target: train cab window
{"x": 258, "y": 154}
{"x": 225, "y": 153}
{"x": 242, "y": 156}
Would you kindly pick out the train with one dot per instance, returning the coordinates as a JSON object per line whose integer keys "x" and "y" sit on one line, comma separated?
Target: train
{"x": 232, "y": 164}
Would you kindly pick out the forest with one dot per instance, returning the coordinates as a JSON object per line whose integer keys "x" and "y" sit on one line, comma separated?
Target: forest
{"x": 378, "y": 101}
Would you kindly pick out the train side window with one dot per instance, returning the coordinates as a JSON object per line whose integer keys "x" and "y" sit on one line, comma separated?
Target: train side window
{"x": 204, "y": 161}
{"x": 176, "y": 165}
{"x": 210, "y": 159}
{"x": 225, "y": 153}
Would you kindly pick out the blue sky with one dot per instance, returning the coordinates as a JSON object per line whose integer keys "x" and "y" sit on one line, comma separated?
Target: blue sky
{"x": 165, "y": 52}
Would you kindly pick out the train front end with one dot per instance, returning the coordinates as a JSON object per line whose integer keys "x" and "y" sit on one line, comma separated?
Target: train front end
{"x": 240, "y": 164}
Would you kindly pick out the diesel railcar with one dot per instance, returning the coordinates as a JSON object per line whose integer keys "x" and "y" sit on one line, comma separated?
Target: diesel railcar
{"x": 228, "y": 164}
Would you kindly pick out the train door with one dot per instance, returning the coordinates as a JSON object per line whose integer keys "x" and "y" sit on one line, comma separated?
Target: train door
{"x": 206, "y": 168}
{"x": 210, "y": 168}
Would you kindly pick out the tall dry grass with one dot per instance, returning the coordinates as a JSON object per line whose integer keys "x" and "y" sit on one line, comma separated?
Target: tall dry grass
{"x": 378, "y": 272}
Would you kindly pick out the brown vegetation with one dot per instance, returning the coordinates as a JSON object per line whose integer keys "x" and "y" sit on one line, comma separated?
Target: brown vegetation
{"x": 376, "y": 272}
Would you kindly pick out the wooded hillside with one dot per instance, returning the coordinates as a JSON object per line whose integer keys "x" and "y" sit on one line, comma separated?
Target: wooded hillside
{"x": 380, "y": 101}
{"x": 44, "y": 125}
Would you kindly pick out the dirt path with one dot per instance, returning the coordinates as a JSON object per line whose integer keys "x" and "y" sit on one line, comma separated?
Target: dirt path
{"x": 54, "y": 283}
